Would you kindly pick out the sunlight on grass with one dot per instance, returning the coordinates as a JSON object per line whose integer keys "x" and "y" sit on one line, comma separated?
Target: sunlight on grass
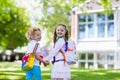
{"x": 99, "y": 73}
{"x": 117, "y": 78}
{"x": 12, "y": 71}
{"x": 79, "y": 70}
{"x": 114, "y": 71}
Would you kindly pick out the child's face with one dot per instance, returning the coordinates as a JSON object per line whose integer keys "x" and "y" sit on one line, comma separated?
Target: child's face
{"x": 60, "y": 31}
{"x": 37, "y": 35}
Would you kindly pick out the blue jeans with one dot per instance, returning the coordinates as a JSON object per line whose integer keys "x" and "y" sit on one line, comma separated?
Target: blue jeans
{"x": 34, "y": 72}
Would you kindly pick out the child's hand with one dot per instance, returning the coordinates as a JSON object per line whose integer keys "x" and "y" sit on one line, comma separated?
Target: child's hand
{"x": 45, "y": 63}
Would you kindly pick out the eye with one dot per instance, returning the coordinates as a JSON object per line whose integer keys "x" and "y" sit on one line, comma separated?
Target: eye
{"x": 61, "y": 30}
{"x": 58, "y": 30}
{"x": 38, "y": 34}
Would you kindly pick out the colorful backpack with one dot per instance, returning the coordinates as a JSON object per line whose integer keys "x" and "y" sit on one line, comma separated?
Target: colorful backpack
{"x": 28, "y": 60}
{"x": 70, "y": 56}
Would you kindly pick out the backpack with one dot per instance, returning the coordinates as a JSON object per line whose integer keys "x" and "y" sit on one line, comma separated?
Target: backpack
{"x": 70, "y": 56}
{"x": 28, "y": 60}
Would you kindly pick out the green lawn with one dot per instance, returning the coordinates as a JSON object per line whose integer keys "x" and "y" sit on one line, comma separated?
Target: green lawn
{"x": 12, "y": 71}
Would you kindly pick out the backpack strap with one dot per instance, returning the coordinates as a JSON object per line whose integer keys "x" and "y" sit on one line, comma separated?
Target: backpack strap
{"x": 69, "y": 49}
{"x": 35, "y": 48}
{"x": 63, "y": 54}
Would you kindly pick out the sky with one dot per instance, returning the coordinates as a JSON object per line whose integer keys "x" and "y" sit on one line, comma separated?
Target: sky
{"x": 33, "y": 9}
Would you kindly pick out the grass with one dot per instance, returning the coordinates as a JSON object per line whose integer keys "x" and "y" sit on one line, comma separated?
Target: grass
{"x": 12, "y": 71}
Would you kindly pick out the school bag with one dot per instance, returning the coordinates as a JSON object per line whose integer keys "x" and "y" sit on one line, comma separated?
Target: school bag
{"x": 70, "y": 56}
{"x": 28, "y": 59}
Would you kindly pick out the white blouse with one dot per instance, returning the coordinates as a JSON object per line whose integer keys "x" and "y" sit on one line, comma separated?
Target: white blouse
{"x": 60, "y": 44}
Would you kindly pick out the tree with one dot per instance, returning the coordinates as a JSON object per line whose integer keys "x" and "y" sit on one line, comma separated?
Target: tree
{"x": 13, "y": 25}
{"x": 59, "y": 11}
{"x": 56, "y": 12}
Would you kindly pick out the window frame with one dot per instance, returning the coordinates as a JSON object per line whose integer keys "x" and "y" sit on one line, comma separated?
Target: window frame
{"x": 106, "y": 37}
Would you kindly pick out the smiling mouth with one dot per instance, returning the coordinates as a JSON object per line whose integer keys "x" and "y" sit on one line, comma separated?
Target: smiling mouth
{"x": 59, "y": 33}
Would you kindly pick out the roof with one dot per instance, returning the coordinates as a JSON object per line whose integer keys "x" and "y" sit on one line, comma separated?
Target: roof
{"x": 91, "y": 5}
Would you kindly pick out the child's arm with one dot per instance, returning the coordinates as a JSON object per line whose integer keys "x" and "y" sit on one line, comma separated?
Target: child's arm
{"x": 58, "y": 45}
{"x": 37, "y": 56}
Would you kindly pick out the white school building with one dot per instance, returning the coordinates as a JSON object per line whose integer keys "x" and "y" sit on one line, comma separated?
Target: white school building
{"x": 97, "y": 35}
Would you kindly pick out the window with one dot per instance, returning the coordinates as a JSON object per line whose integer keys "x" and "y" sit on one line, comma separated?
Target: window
{"x": 101, "y": 56}
{"x": 110, "y": 56}
{"x": 82, "y": 31}
{"x": 100, "y": 17}
{"x": 101, "y": 29}
{"x": 90, "y": 56}
{"x": 90, "y": 17}
{"x": 82, "y": 18}
{"x": 110, "y": 17}
{"x": 82, "y": 64}
{"x": 90, "y": 31}
{"x": 110, "y": 29}
{"x": 82, "y": 57}
{"x": 96, "y": 25}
